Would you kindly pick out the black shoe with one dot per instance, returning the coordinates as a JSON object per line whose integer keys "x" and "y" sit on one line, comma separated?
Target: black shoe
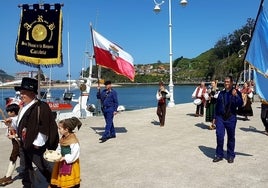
{"x": 112, "y": 136}
{"x": 103, "y": 139}
{"x": 230, "y": 160}
{"x": 217, "y": 159}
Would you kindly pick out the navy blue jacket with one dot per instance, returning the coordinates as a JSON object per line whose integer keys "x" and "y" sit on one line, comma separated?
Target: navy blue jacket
{"x": 227, "y": 104}
{"x": 108, "y": 99}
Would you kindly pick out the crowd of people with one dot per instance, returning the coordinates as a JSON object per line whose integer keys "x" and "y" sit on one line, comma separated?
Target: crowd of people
{"x": 33, "y": 130}
{"x": 205, "y": 98}
{"x": 222, "y": 108}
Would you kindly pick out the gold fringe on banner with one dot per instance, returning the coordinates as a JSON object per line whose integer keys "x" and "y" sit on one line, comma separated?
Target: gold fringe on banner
{"x": 39, "y": 41}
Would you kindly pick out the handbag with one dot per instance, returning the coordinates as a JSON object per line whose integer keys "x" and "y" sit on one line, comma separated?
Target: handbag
{"x": 65, "y": 169}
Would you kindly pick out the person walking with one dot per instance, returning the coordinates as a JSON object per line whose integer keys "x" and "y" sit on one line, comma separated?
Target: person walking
{"x": 11, "y": 123}
{"x": 161, "y": 95}
{"x": 225, "y": 118}
{"x": 211, "y": 98}
{"x": 247, "y": 95}
{"x": 199, "y": 93}
{"x": 109, "y": 105}
{"x": 264, "y": 115}
{"x": 66, "y": 171}
{"x": 37, "y": 131}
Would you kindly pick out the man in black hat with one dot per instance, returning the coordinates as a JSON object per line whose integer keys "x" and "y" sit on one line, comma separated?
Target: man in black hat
{"x": 109, "y": 105}
{"x": 37, "y": 131}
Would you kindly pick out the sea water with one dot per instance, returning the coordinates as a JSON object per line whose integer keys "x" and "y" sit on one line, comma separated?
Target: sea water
{"x": 131, "y": 97}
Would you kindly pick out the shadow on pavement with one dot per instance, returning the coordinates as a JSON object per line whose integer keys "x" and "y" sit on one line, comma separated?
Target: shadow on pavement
{"x": 251, "y": 129}
{"x": 210, "y": 152}
{"x": 154, "y": 122}
{"x": 100, "y": 130}
{"x": 202, "y": 125}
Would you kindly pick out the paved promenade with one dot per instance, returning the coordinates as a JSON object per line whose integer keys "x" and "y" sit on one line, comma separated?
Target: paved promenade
{"x": 180, "y": 154}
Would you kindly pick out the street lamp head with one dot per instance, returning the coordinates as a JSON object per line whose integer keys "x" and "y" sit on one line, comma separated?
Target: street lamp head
{"x": 157, "y": 9}
{"x": 157, "y": 6}
{"x": 183, "y": 2}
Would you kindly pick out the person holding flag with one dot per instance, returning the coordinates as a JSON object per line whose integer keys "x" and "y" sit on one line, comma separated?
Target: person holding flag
{"x": 228, "y": 101}
{"x": 109, "y": 105}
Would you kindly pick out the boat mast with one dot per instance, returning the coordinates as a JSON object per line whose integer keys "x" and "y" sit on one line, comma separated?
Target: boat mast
{"x": 69, "y": 64}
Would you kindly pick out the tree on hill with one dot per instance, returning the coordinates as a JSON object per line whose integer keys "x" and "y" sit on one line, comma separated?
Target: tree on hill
{"x": 216, "y": 63}
{"x": 219, "y": 61}
{"x": 4, "y": 77}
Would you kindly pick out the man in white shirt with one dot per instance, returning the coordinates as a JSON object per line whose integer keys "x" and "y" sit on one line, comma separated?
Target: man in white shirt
{"x": 37, "y": 131}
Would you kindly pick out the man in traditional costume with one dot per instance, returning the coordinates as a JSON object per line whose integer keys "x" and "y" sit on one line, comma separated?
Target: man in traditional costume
{"x": 37, "y": 131}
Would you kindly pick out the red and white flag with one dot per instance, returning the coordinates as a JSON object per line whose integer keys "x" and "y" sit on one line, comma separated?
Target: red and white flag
{"x": 110, "y": 55}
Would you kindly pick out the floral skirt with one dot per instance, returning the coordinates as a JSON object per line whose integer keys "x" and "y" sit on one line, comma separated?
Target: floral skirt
{"x": 66, "y": 180}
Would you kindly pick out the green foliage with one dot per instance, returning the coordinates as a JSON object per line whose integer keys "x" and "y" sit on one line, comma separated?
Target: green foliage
{"x": 221, "y": 60}
{"x": 216, "y": 63}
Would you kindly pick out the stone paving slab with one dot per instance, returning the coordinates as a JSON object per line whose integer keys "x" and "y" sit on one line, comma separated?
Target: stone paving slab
{"x": 178, "y": 155}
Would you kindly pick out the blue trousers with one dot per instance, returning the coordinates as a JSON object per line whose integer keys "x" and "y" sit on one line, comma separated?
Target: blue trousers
{"x": 109, "y": 127}
{"x": 228, "y": 125}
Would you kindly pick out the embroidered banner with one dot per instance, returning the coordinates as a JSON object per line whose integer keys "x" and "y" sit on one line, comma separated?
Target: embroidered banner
{"x": 39, "y": 41}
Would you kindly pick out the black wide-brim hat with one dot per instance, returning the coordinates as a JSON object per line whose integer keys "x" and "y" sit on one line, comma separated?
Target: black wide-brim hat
{"x": 28, "y": 84}
{"x": 108, "y": 82}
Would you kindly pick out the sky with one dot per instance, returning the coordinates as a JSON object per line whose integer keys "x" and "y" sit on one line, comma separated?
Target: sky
{"x": 133, "y": 25}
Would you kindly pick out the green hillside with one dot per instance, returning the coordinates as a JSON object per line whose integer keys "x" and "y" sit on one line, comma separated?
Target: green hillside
{"x": 223, "y": 59}
{"x": 4, "y": 77}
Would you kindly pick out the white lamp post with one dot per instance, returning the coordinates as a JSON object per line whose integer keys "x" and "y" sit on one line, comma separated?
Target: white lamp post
{"x": 244, "y": 39}
{"x": 241, "y": 53}
{"x": 157, "y": 10}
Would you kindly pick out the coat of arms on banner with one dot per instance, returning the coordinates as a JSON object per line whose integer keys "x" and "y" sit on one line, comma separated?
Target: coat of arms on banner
{"x": 39, "y": 39}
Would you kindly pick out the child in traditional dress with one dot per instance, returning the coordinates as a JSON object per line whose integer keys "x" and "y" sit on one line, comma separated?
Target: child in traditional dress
{"x": 11, "y": 123}
{"x": 66, "y": 172}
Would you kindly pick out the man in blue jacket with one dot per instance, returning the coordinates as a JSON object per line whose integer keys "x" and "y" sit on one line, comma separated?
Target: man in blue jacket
{"x": 109, "y": 105}
{"x": 225, "y": 117}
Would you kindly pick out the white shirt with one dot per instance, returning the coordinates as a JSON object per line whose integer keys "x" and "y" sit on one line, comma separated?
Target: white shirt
{"x": 41, "y": 139}
{"x": 159, "y": 95}
{"x": 73, "y": 156}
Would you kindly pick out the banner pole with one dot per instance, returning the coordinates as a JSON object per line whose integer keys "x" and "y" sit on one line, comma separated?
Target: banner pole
{"x": 38, "y": 79}
{"x": 252, "y": 33}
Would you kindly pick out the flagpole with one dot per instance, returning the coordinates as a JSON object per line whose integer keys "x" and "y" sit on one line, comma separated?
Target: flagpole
{"x": 259, "y": 11}
{"x": 98, "y": 69}
{"x": 252, "y": 33}
{"x": 92, "y": 38}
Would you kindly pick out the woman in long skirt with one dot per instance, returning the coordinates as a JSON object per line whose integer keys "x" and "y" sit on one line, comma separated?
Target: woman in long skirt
{"x": 211, "y": 98}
